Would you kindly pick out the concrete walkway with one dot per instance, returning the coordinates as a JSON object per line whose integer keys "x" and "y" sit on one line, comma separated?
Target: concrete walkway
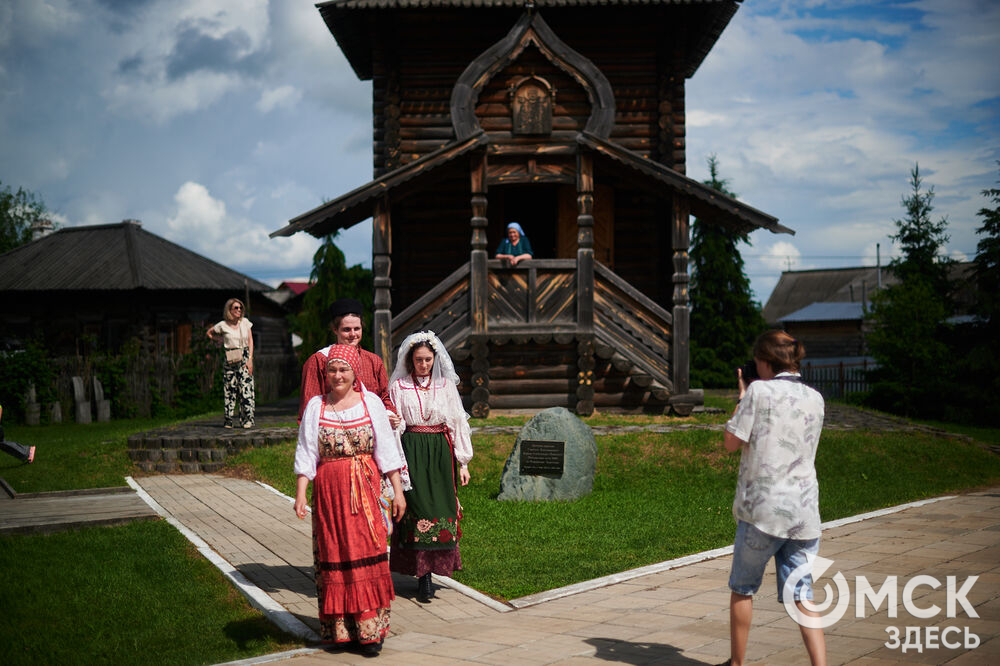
{"x": 669, "y": 614}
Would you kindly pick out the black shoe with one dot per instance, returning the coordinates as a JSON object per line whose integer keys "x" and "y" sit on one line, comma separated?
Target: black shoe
{"x": 371, "y": 649}
{"x": 424, "y": 590}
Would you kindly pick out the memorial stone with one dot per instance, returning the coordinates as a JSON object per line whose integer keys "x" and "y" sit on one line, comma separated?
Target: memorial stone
{"x": 560, "y": 456}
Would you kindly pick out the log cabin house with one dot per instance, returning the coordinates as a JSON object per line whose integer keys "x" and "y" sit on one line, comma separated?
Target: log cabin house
{"x": 92, "y": 288}
{"x": 573, "y": 125}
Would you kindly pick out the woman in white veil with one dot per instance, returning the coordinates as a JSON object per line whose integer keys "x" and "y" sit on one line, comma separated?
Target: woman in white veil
{"x": 437, "y": 445}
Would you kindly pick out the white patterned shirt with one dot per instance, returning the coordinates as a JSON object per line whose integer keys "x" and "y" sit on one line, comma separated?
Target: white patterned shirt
{"x": 777, "y": 490}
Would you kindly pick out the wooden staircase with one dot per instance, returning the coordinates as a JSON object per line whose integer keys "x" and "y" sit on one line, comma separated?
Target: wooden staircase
{"x": 534, "y": 355}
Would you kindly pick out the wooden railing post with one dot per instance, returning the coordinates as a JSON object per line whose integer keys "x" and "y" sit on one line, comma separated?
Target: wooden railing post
{"x": 478, "y": 256}
{"x": 681, "y": 314}
{"x": 585, "y": 242}
{"x": 381, "y": 265}
{"x": 478, "y": 284}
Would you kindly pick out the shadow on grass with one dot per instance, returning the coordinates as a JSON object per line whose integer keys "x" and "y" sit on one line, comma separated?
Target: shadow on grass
{"x": 250, "y": 633}
{"x": 637, "y": 652}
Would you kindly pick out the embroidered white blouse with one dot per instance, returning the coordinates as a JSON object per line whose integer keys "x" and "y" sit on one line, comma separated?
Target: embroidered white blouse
{"x": 387, "y": 456}
{"x": 777, "y": 490}
{"x": 440, "y": 403}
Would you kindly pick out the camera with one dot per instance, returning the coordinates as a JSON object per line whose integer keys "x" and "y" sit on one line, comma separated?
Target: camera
{"x": 749, "y": 370}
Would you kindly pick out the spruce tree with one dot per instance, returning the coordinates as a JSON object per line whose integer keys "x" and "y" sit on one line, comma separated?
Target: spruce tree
{"x": 908, "y": 340}
{"x": 725, "y": 319}
{"x": 332, "y": 279}
{"x": 975, "y": 347}
{"x": 987, "y": 271}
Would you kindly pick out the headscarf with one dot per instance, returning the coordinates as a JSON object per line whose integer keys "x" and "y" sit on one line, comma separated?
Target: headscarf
{"x": 443, "y": 367}
{"x": 387, "y": 444}
{"x": 347, "y": 354}
{"x": 517, "y": 227}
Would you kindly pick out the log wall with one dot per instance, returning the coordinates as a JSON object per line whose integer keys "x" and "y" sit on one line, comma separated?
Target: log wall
{"x": 423, "y": 53}
{"x": 420, "y": 56}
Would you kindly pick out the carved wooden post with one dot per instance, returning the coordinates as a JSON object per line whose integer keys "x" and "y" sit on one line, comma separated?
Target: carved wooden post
{"x": 585, "y": 284}
{"x": 478, "y": 284}
{"x": 478, "y": 256}
{"x": 680, "y": 401}
{"x": 585, "y": 242}
{"x": 585, "y": 365}
{"x": 381, "y": 264}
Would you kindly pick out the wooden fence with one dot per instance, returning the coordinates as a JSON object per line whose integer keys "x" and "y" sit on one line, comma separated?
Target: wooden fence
{"x": 155, "y": 379}
{"x": 837, "y": 380}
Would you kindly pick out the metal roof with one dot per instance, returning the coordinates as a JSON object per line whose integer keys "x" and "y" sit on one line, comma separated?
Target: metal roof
{"x": 113, "y": 257}
{"x": 827, "y": 312}
{"x": 797, "y": 289}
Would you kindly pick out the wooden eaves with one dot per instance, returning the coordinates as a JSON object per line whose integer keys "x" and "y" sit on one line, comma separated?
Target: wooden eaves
{"x": 705, "y": 202}
{"x": 357, "y": 205}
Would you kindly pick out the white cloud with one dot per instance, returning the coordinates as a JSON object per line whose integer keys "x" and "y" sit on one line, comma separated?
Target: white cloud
{"x": 818, "y": 116}
{"x": 283, "y": 96}
{"x": 698, "y": 118}
{"x": 782, "y": 256}
{"x": 201, "y": 223}
{"x": 198, "y": 214}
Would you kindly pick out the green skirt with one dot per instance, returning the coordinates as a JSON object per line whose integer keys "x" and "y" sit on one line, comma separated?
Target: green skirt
{"x": 432, "y": 514}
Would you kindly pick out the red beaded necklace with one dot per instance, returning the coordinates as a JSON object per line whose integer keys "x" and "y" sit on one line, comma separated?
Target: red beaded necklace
{"x": 417, "y": 388}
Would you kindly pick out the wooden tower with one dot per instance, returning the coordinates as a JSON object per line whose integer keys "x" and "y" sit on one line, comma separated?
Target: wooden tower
{"x": 573, "y": 125}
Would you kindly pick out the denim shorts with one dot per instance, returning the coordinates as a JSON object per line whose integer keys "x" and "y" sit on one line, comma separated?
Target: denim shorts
{"x": 753, "y": 549}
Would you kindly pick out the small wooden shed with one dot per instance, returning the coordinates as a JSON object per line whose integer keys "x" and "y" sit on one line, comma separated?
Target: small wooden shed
{"x": 573, "y": 125}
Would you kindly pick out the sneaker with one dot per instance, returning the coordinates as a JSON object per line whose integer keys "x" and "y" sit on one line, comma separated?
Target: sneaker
{"x": 247, "y": 425}
{"x": 227, "y": 425}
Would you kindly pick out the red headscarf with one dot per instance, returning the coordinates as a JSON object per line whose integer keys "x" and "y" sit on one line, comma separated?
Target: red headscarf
{"x": 349, "y": 355}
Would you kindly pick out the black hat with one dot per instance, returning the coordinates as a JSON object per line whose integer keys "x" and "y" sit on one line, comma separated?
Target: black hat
{"x": 345, "y": 306}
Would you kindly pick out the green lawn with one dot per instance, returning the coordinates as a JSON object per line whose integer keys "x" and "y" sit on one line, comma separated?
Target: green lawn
{"x": 71, "y": 456}
{"x": 135, "y": 594}
{"x": 658, "y": 496}
{"x": 139, "y": 593}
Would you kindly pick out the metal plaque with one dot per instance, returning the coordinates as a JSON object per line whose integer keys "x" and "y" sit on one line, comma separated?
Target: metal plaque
{"x": 541, "y": 457}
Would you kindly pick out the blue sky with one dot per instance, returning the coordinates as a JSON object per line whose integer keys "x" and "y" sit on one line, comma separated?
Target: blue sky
{"x": 215, "y": 121}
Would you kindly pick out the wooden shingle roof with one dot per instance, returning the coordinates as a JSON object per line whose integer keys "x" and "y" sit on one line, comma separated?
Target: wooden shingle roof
{"x": 355, "y": 23}
{"x": 112, "y": 257}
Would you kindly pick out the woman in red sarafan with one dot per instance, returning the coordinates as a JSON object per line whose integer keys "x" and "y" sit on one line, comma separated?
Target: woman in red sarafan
{"x": 345, "y": 446}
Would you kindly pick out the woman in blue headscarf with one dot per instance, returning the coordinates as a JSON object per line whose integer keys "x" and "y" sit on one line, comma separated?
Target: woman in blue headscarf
{"x": 515, "y": 247}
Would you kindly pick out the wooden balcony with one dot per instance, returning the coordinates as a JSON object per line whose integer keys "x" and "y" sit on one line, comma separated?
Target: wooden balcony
{"x": 534, "y": 351}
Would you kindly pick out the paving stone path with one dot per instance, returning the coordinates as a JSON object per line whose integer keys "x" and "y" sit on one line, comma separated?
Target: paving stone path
{"x": 674, "y": 613}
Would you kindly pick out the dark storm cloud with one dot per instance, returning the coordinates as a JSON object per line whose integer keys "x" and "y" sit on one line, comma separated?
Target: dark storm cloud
{"x": 196, "y": 51}
{"x": 125, "y": 7}
{"x": 123, "y": 12}
{"x": 130, "y": 65}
